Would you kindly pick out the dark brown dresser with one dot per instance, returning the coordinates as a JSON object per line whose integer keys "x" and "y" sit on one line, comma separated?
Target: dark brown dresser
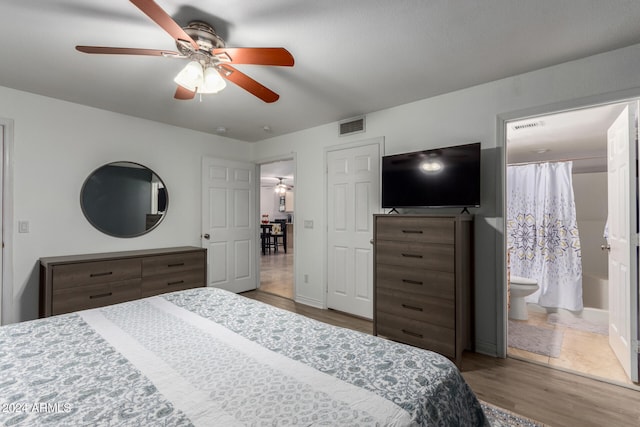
{"x": 79, "y": 282}
{"x": 423, "y": 275}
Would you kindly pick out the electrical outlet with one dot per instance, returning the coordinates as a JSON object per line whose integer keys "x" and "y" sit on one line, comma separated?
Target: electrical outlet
{"x": 306, "y": 278}
{"x": 23, "y": 226}
{"x": 308, "y": 223}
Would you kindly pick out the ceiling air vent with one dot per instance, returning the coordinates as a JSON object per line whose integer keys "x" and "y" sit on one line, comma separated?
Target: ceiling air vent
{"x": 528, "y": 125}
{"x": 349, "y": 126}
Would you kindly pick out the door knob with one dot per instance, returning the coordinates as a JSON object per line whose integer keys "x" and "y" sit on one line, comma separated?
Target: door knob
{"x": 606, "y": 247}
{"x": 206, "y": 236}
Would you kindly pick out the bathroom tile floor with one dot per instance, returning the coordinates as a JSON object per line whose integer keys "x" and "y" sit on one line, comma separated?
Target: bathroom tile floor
{"x": 582, "y": 352}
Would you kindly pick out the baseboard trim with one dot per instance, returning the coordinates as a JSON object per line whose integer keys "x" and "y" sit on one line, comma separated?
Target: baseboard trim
{"x": 309, "y": 301}
{"x": 486, "y": 348}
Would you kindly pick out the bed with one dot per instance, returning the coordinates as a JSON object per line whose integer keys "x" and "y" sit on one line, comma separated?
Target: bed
{"x": 210, "y": 357}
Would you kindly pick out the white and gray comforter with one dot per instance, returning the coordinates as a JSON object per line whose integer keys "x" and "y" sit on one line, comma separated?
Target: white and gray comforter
{"x": 209, "y": 357}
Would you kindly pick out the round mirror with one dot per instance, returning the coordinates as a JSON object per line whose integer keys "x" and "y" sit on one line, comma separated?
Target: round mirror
{"x": 124, "y": 199}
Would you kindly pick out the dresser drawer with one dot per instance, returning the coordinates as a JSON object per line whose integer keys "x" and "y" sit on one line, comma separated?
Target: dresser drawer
{"x": 175, "y": 281}
{"x": 416, "y": 255}
{"x": 406, "y": 305}
{"x": 440, "y": 284}
{"x": 78, "y": 282}
{"x": 419, "y": 334}
{"x": 423, "y": 268}
{"x": 92, "y": 273}
{"x": 436, "y": 230}
{"x": 167, "y": 264}
{"x": 93, "y": 296}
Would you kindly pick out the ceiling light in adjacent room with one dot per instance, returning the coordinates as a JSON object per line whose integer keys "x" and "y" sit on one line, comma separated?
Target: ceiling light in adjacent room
{"x": 281, "y": 188}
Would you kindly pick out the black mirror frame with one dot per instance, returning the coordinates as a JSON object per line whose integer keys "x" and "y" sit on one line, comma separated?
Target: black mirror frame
{"x": 84, "y": 212}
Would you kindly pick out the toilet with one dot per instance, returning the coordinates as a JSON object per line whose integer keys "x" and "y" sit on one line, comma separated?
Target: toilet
{"x": 520, "y": 287}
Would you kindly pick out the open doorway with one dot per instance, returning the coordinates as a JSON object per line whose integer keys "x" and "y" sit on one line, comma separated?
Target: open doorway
{"x": 559, "y": 305}
{"x": 277, "y": 190}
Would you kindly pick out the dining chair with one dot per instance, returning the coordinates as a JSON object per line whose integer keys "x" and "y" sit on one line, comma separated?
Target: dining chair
{"x": 266, "y": 240}
{"x": 279, "y": 236}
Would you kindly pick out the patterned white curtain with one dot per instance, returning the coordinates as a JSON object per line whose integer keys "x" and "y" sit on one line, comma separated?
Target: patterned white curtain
{"x": 542, "y": 232}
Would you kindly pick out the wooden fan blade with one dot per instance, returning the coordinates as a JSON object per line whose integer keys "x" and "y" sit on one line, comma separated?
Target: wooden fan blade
{"x": 128, "y": 51}
{"x": 184, "y": 93}
{"x": 247, "y": 83}
{"x": 162, "y": 18}
{"x": 255, "y": 55}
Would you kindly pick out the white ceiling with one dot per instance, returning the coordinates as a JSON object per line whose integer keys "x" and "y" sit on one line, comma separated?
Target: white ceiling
{"x": 579, "y": 135}
{"x": 352, "y": 57}
{"x": 270, "y": 173}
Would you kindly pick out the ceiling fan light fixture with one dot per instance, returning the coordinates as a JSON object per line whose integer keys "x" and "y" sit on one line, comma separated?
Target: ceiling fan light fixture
{"x": 280, "y": 188}
{"x": 190, "y": 77}
{"x": 199, "y": 43}
{"x": 212, "y": 81}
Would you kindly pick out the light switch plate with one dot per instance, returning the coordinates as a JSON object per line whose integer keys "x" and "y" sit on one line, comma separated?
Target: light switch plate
{"x": 308, "y": 223}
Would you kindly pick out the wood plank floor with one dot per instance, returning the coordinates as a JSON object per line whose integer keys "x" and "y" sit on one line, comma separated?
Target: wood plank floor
{"x": 276, "y": 273}
{"x": 550, "y": 396}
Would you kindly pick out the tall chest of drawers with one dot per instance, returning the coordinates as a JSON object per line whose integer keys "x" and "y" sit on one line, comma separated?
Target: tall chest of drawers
{"x": 423, "y": 275}
{"x": 80, "y": 282}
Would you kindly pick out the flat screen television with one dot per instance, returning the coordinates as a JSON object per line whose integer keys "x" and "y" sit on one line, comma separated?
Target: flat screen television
{"x": 442, "y": 177}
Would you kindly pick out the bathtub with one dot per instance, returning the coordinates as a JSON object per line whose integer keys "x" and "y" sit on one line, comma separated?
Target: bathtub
{"x": 595, "y": 298}
{"x": 595, "y": 291}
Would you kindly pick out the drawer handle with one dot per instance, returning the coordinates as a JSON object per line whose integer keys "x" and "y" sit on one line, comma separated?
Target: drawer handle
{"x": 413, "y": 334}
{"x": 413, "y": 282}
{"x": 412, "y": 256}
{"x": 108, "y": 294}
{"x": 175, "y": 283}
{"x": 107, "y": 273}
{"x": 180, "y": 264}
{"x": 411, "y": 307}
{"x": 412, "y": 231}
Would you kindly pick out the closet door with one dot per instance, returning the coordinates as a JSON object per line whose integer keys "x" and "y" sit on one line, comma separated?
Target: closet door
{"x": 353, "y": 196}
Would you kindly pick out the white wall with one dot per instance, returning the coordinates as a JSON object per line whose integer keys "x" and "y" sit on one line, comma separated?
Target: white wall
{"x": 267, "y": 202}
{"x": 58, "y": 144}
{"x": 459, "y": 117}
{"x": 270, "y": 204}
{"x": 590, "y": 192}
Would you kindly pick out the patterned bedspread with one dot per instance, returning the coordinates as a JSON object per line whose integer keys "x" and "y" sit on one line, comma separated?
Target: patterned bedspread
{"x": 209, "y": 357}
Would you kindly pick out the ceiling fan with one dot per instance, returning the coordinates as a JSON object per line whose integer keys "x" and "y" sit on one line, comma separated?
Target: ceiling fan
{"x": 210, "y": 62}
{"x": 281, "y": 187}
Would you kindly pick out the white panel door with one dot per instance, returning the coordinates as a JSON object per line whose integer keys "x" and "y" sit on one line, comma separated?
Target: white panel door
{"x": 229, "y": 223}
{"x": 623, "y": 258}
{"x": 2, "y": 290}
{"x": 353, "y": 196}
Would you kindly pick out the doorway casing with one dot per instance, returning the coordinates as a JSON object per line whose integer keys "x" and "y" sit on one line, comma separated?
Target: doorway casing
{"x": 263, "y": 161}
{"x": 501, "y": 138}
{"x": 6, "y": 186}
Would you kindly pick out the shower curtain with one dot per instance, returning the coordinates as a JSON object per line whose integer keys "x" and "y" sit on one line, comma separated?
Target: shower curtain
{"x": 542, "y": 232}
